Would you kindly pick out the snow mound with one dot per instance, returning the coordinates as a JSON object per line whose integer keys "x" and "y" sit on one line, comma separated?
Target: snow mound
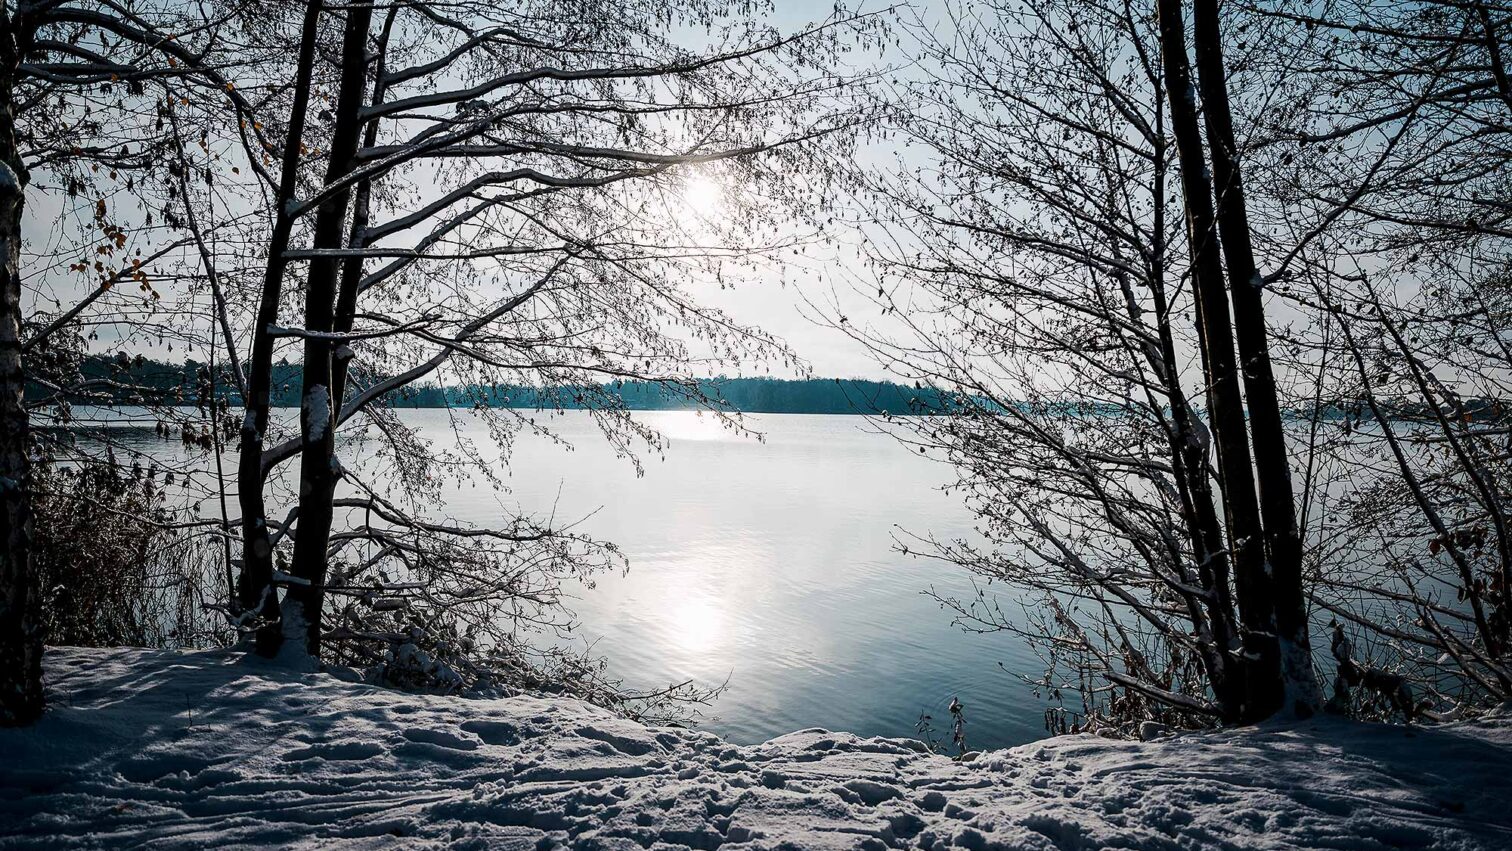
{"x": 196, "y": 750}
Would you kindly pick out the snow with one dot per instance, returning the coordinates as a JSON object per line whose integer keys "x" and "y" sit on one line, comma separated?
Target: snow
{"x": 10, "y": 184}
{"x": 317, "y": 410}
{"x": 249, "y": 424}
{"x": 206, "y": 749}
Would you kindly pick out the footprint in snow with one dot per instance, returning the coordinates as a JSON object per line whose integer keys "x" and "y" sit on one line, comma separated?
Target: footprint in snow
{"x": 336, "y": 752}
{"x": 497, "y": 733}
{"x": 440, "y": 738}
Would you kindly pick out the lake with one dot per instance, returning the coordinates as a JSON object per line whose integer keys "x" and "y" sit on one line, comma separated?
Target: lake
{"x": 771, "y": 563}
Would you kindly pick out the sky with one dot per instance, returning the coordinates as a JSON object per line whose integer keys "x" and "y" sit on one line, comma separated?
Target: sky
{"x": 827, "y": 276}
{"x": 764, "y": 301}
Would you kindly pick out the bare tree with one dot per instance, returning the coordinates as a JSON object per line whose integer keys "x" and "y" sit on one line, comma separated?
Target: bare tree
{"x": 498, "y": 206}
{"x": 1341, "y": 167}
{"x": 1257, "y": 600}
{"x": 1278, "y": 506}
{"x": 20, "y": 620}
{"x": 1385, "y": 160}
{"x": 65, "y": 65}
{"x": 1037, "y": 261}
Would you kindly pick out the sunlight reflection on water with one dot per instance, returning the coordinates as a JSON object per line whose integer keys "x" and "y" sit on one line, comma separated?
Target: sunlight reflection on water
{"x": 773, "y": 563}
{"x": 697, "y": 624}
{"x": 770, "y": 563}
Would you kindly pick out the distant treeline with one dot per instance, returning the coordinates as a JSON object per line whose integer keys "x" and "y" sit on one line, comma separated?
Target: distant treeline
{"x": 143, "y": 381}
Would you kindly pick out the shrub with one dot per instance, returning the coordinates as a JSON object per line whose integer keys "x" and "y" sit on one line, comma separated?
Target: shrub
{"x": 113, "y": 568}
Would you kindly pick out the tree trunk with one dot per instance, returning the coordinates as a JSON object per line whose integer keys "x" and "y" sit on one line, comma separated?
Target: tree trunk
{"x": 318, "y": 466}
{"x": 257, "y": 596}
{"x": 20, "y": 598}
{"x": 1189, "y": 463}
{"x": 1278, "y": 510}
{"x": 1263, "y": 682}
{"x": 353, "y": 266}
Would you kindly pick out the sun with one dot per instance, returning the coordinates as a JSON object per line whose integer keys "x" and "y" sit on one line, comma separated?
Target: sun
{"x": 702, "y": 194}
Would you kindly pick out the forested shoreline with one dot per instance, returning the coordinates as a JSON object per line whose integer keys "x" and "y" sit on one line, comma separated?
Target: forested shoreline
{"x": 141, "y": 381}
{"x": 144, "y": 382}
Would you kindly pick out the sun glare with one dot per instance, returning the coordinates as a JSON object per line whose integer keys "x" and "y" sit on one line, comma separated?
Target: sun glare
{"x": 703, "y": 195}
{"x": 697, "y": 625}
{"x": 692, "y": 425}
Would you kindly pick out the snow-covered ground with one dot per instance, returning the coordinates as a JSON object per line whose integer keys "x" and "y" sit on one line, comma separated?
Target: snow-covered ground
{"x": 201, "y": 750}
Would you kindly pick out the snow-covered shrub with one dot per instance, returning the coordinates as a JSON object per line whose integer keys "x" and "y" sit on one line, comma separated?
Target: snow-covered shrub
{"x": 419, "y": 662}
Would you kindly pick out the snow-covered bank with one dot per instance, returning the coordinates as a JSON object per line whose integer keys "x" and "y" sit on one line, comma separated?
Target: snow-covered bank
{"x": 195, "y": 750}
